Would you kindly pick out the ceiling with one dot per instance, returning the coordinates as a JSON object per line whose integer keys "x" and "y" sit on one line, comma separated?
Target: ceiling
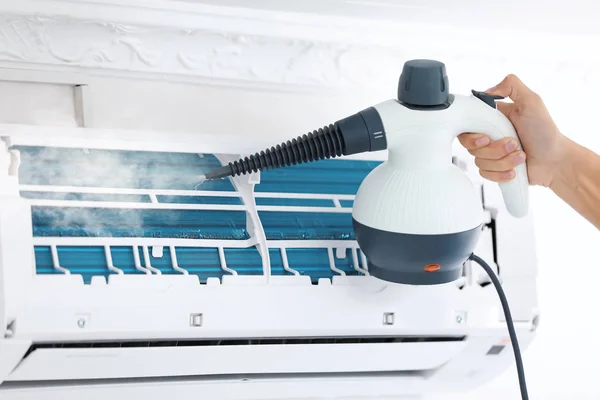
{"x": 558, "y": 16}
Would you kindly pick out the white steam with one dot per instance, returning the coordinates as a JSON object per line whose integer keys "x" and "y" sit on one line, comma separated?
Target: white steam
{"x": 99, "y": 168}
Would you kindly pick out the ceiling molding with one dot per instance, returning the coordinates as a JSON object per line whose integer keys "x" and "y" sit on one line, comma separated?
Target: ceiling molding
{"x": 95, "y": 46}
{"x": 191, "y": 42}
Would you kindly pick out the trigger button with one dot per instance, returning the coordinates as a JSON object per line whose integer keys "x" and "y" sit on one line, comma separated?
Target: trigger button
{"x": 488, "y": 99}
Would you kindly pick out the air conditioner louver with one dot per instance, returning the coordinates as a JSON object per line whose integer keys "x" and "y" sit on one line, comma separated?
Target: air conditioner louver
{"x": 256, "y": 358}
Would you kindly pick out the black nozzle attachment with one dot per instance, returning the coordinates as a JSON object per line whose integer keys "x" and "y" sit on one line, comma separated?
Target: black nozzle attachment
{"x": 358, "y": 133}
{"x": 220, "y": 172}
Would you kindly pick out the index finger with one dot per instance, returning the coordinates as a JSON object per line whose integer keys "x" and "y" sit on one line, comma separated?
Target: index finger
{"x": 473, "y": 141}
{"x": 513, "y": 88}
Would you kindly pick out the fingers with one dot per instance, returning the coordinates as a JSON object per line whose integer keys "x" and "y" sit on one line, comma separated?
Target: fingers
{"x": 503, "y": 164}
{"x": 513, "y": 88}
{"x": 481, "y": 146}
{"x": 498, "y": 176}
{"x": 473, "y": 141}
{"x": 496, "y": 160}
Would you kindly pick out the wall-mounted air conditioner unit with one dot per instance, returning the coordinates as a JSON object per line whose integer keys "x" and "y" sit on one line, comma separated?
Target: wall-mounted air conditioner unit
{"x": 122, "y": 273}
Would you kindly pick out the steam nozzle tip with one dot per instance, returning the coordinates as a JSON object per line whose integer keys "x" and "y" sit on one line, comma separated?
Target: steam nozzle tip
{"x": 219, "y": 173}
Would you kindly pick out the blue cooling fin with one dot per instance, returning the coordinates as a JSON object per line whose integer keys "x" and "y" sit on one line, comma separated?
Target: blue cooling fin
{"x": 190, "y": 224}
{"x": 334, "y": 177}
{"x": 160, "y": 171}
{"x": 326, "y": 177}
{"x": 306, "y": 226}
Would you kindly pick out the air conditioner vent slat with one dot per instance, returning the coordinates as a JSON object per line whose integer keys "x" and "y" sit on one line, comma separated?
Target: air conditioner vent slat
{"x": 245, "y": 342}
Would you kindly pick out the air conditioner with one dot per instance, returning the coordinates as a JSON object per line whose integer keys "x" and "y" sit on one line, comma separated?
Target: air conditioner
{"x": 122, "y": 274}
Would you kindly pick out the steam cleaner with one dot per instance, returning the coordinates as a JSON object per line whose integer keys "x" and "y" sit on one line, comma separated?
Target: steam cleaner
{"x": 417, "y": 217}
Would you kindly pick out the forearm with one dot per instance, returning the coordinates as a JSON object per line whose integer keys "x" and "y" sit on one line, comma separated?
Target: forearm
{"x": 577, "y": 181}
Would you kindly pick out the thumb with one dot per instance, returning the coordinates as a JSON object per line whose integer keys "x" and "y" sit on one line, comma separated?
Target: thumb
{"x": 513, "y": 88}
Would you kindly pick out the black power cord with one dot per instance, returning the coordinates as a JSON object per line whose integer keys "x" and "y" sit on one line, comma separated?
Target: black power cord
{"x": 509, "y": 323}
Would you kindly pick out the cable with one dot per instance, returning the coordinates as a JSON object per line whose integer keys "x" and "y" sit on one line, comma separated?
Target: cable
{"x": 509, "y": 323}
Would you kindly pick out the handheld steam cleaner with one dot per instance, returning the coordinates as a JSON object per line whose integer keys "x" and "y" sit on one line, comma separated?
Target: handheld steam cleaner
{"x": 417, "y": 216}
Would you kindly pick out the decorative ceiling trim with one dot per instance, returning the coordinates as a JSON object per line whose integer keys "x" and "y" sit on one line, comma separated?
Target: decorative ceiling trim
{"x": 56, "y": 42}
{"x": 215, "y": 45}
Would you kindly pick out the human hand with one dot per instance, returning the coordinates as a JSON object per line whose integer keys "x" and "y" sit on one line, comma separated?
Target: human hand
{"x": 540, "y": 138}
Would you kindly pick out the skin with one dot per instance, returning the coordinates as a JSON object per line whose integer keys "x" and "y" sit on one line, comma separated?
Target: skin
{"x": 554, "y": 161}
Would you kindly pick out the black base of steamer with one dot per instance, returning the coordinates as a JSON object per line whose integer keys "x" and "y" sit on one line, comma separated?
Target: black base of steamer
{"x": 416, "y": 259}
{"x": 419, "y": 278}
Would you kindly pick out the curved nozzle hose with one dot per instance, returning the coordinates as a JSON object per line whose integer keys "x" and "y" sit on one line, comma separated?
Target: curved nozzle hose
{"x": 358, "y": 133}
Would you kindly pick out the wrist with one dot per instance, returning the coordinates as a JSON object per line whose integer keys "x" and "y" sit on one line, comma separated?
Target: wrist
{"x": 563, "y": 166}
